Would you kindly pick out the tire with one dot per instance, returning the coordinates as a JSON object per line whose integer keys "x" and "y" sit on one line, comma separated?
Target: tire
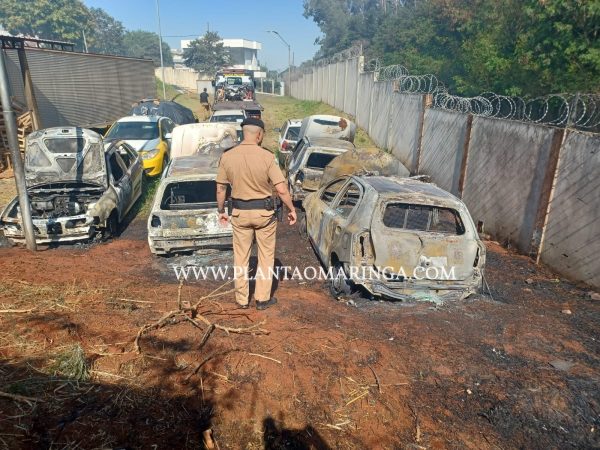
{"x": 112, "y": 226}
{"x": 339, "y": 285}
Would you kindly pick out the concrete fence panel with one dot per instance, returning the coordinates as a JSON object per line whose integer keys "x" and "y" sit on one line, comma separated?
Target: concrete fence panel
{"x": 351, "y": 86}
{"x": 364, "y": 97}
{"x": 404, "y": 135}
{"x": 380, "y": 110}
{"x": 445, "y": 134}
{"x": 505, "y": 173}
{"x": 571, "y": 240}
{"x": 340, "y": 85}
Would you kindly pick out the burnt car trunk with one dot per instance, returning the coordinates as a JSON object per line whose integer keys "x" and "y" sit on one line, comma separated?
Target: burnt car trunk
{"x": 187, "y": 219}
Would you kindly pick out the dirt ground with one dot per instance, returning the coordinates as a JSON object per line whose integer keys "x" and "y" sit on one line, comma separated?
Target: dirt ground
{"x": 515, "y": 369}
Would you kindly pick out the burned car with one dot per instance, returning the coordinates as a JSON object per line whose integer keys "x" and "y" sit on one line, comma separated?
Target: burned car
{"x": 203, "y": 138}
{"x": 184, "y": 214}
{"x": 397, "y": 238}
{"x": 308, "y": 162}
{"x": 75, "y": 187}
{"x": 321, "y": 125}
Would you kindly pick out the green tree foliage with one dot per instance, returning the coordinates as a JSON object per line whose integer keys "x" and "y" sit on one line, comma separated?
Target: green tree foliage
{"x": 144, "y": 44}
{"x": 104, "y": 34}
{"x": 514, "y": 47}
{"x": 66, "y": 20}
{"x": 62, "y": 20}
{"x": 206, "y": 54}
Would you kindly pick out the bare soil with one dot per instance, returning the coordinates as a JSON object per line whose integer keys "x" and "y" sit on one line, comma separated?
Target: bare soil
{"x": 515, "y": 369}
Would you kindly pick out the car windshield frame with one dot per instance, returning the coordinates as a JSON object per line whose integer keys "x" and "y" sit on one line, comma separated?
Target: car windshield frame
{"x": 317, "y": 154}
{"x": 122, "y": 131}
{"x": 237, "y": 118}
{"x": 411, "y": 221}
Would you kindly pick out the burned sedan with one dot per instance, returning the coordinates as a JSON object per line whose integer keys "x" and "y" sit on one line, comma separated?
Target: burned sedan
{"x": 398, "y": 238}
{"x": 308, "y": 162}
{"x": 75, "y": 187}
{"x": 184, "y": 214}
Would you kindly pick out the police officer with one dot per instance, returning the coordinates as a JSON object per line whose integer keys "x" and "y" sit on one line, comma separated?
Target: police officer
{"x": 252, "y": 171}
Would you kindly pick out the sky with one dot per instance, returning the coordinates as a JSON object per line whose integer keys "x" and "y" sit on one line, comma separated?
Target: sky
{"x": 232, "y": 19}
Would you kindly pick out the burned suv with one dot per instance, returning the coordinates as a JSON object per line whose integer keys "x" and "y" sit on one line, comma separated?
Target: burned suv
{"x": 398, "y": 238}
{"x": 75, "y": 187}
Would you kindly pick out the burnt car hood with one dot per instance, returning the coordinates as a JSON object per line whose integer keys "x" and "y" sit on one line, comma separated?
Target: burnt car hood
{"x": 65, "y": 155}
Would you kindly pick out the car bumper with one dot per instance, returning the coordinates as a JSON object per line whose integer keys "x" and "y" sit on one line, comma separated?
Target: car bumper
{"x": 426, "y": 290}
{"x": 154, "y": 166}
{"x": 167, "y": 245}
{"x": 64, "y": 229}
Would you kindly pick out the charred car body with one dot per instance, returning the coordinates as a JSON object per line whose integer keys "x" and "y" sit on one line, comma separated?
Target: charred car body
{"x": 398, "y": 238}
{"x": 75, "y": 186}
{"x": 184, "y": 214}
{"x": 306, "y": 165}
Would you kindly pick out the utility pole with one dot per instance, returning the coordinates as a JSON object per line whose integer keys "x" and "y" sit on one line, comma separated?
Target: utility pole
{"x": 13, "y": 142}
{"x": 289, "y": 60}
{"x": 162, "y": 65}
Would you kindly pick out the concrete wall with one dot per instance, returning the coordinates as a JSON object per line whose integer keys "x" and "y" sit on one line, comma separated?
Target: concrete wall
{"x": 445, "y": 134}
{"x": 404, "y": 130}
{"x": 506, "y": 168}
{"x": 571, "y": 240}
{"x": 184, "y": 78}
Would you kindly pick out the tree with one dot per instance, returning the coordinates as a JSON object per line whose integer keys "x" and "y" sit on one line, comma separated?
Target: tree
{"x": 106, "y": 34}
{"x": 62, "y": 20}
{"x": 144, "y": 44}
{"x": 207, "y": 54}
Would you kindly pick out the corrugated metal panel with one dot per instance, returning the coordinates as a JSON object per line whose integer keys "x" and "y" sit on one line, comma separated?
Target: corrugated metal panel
{"x": 81, "y": 89}
{"x": 572, "y": 237}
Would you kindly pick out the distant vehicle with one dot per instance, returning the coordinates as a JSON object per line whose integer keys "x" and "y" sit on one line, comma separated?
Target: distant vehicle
{"x": 76, "y": 186}
{"x": 288, "y": 137}
{"x": 411, "y": 239}
{"x": 184, "y": 214}
{"x": 203, "y": 138}
{"x": 235, "y": 89}
{"x": 307, "y": 163}
{"x": 150, "y": 136}
{"x": 231, "y": 116}
{"x": 178, "y": 113}
{"x": 327, "y": 126}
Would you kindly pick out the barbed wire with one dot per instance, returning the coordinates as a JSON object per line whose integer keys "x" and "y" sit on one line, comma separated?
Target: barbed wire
{"x": 562, "y": 110}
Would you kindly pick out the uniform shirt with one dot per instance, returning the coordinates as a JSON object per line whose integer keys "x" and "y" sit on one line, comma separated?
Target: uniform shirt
{"x": 252, "y": 171}
{"x": 204, "y": 97}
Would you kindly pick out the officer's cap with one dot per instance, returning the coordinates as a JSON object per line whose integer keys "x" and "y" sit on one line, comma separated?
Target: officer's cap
{"x": 253, "y": 121}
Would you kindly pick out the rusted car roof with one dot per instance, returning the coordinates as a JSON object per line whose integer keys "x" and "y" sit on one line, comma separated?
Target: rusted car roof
{"x": 330, "y": 143}
{"x": 393, "y": 187}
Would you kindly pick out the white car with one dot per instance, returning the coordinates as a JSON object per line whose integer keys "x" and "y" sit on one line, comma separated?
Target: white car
{"x": 288, "y": 134}
{"x": 228, "y": 115}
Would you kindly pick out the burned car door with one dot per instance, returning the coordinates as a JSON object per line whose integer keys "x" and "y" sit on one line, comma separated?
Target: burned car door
{"x": 334, "y": 234}
{"x": 133, "y": 162}
{"x": 121, "y": 182}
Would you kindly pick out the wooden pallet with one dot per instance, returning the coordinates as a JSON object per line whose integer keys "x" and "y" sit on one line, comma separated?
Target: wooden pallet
{"x": 24, "y": 127}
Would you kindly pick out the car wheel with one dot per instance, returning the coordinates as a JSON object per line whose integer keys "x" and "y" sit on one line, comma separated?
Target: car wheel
{"x": 112, "y": 226}
{"x": 339, "y": 285}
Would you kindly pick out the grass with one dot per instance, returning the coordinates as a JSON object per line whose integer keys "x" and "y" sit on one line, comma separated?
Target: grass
{"x": 71, "y": 363}
{"x": 278, "y": 109}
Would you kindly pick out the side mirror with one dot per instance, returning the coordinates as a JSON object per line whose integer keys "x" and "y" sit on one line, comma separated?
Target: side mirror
{"x": 168, "y": 136}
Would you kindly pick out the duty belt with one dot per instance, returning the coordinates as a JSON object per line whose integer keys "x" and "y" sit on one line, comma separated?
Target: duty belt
{"x": 264, "y": 203}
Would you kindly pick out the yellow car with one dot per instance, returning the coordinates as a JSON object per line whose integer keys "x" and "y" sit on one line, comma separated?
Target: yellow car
{"x": 150, "y": 136}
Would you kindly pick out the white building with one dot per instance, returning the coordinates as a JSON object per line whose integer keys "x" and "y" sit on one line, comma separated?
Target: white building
{"x": 243, "y": 53}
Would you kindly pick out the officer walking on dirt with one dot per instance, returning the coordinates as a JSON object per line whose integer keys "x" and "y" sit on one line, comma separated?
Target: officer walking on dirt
{"x": 252, "y": 172}
{"x": 204, "y": 102}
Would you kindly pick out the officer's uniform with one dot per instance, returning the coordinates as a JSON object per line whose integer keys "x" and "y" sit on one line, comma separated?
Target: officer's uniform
{"x": 252, "y": 172}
